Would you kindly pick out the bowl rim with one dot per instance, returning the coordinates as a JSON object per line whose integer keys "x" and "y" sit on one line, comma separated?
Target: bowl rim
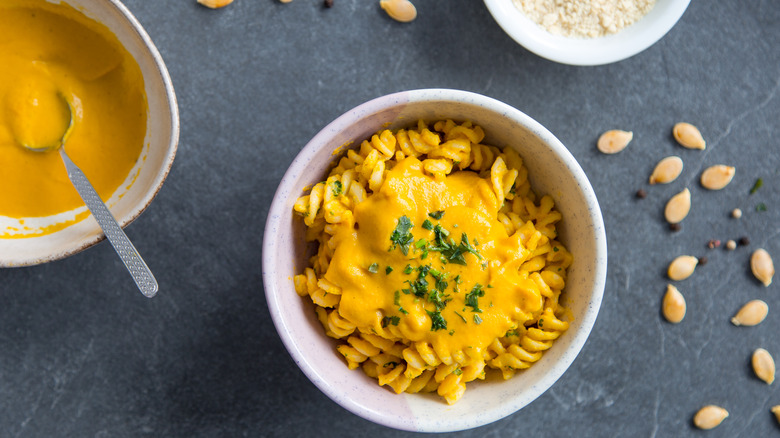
{"x": 272, "y": 280}
{"x": 171, "y": 149}
{"x": 587, "y": 52}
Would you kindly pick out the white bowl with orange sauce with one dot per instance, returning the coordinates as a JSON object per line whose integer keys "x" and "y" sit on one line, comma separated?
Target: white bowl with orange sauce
{"x": 552, "y": 170}
{"x": 27, "y": 239}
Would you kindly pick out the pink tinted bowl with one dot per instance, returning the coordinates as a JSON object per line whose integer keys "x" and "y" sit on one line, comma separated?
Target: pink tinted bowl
{"x": 552, "y": 170}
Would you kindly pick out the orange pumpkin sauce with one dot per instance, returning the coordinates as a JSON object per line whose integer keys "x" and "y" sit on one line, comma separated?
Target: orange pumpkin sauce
{"x": 50, "y": 53}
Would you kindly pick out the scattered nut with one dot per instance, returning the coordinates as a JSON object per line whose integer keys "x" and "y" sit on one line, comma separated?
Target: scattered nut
{"x": 682, "y": 267}
{"x": 752, "y": 313}
{"x": 736, "y": 213}
{"x": 713, "y": 243}
{"x": 731, "y": 245}
{"x": 214, "y": 4}
{"x": 673, "y": 305}
{"x": 614, "y": 141}
{"x": 709, "y": 417}
{"x": 762, "y": 266}
{"x": 667, "y": 170}
{"x": 399, "y": 10}
{"x": 688, "y": 136}
{"x": 764, "y": 365}
{"x": 678, "y": 207}
{"x": 717, "y": 177}
{"x": 776, "y": 410}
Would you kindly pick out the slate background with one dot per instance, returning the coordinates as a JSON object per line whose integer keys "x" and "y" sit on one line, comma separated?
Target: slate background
{"x": 83, "y": 354}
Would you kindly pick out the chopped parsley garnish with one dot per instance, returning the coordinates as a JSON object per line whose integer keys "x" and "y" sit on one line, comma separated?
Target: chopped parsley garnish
{"x": 338, "y": 188}
{"x": 436, "y": 214}
{"x": 373, "y": 268}
{"x": 473, "y": 297}
{"x": 761, "y": 207}
{"x": 437, "y": 322}
{"x": 408, "y": 269}
{"x": 511, "y": 333}
{"x": 555, "y": 249}
{"x": 401, "y": 309}
{"x": 390, "y": 320}
{"x": 453, "y": 253}
{"x": 461, "y": 317}
{"x": 401, "y": 236}
{"x": 390, "y": 364}
{"x": 397, "y": 298}
{"x": 757, "y": 185}
{"x": 477, "y": 320}
{"x": 457, "y": 371}
{"x": 540, "y": 323}
{"x": 428, "y": 225}
{"x": 388, "y": 270}
{"x": 512, "y": 190}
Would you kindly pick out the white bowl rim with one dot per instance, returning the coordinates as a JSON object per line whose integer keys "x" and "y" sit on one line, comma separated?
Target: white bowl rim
{"x": 587, "y": 52}
{"x": 162, "y": 174}
{"x": 269, "y": 255}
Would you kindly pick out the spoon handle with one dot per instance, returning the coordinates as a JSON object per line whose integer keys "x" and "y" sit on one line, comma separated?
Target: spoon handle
{"x": 138, "y": 269}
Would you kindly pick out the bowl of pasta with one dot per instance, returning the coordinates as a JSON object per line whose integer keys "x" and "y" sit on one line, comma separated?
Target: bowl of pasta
{"x": 434, "y": 260}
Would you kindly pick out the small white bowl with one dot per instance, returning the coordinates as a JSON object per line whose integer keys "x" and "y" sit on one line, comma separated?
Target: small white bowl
{"x": 552, "y": 170}
{"x": 593, "y": 51}
{"x": 160, "y": 144}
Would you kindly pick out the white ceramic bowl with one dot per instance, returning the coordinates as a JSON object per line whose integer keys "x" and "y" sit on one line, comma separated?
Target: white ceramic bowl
{"x": 552, "y": 170}
{"x": 595, "y": 51}
{"x": 160, "y": 143}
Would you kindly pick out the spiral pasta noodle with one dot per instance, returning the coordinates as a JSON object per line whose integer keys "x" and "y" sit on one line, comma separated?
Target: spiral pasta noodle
{"x": 413, "y": 300}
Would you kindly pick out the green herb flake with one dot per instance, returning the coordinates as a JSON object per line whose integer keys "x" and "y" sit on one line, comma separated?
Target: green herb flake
{"x": 555, "y": 249}
{"x": 401, "y": 236}
{"x": 511, "y": 333}
{"x": 408, "y": 269}
{"x": 761, "y": 207}
{"x": 437, "y": 322}
{"x": 462, "y": 317}
{"x": 436, "y": 214}
{"x": 477, "y": 320}
{"x": 390, "y": 320}
{"x": 388, "y": 270}
{"x": 472, "y": 298}
{"x": 401, "y": 309}
{"x": 337, "y": 188}
{"x": 757, "y": 185}
{"x": 373, "y": 268}
{"x": 540, "y": 323}
{"x": 390, "y": 364}
{"x": 397, "y": 298}
{"x": 457, "y": 372}
{"x": 428, "y": 225}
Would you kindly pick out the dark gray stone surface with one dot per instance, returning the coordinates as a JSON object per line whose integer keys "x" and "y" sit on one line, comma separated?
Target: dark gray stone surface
{"x": 83, "y": 354}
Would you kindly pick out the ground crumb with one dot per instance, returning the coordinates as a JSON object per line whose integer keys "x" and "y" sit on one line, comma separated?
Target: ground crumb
{"x": 641, "y": 194}
{"x": 584, "y": 18}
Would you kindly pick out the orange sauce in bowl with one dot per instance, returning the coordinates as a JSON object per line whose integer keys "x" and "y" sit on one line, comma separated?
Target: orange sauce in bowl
{"x": 50, "y": 52}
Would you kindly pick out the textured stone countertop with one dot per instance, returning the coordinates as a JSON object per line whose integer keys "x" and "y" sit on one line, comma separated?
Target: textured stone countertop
{"x": 83, "y": 354}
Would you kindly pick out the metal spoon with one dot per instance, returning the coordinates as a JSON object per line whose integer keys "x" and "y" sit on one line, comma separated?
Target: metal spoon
{"x": 138, "y": 269}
